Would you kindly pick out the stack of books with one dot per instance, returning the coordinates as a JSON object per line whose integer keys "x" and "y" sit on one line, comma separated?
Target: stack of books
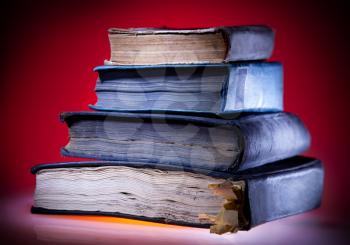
{"x": 188, "y": 129}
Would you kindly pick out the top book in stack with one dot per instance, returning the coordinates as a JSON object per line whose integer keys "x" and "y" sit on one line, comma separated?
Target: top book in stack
{"x": 151, "y": 46}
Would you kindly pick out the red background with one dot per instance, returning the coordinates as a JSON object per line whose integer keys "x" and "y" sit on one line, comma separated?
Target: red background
{"x": 50, "y": 48}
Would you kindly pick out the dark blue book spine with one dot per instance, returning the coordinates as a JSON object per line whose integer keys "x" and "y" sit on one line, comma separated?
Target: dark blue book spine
{"x": 271, "y": 138}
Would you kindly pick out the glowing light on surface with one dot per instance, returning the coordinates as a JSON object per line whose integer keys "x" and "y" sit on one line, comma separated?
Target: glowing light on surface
{"x": 108, "y": 219}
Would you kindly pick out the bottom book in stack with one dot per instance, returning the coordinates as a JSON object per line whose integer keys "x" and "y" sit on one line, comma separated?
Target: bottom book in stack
{"x": 179, "y": 195}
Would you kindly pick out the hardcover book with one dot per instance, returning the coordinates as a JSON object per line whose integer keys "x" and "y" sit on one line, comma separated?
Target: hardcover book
{"x": 199, "y": 142}
{"x": 171, "y": 194}
{"x": 152, "y": 46}
{"x": 220, "y": 89}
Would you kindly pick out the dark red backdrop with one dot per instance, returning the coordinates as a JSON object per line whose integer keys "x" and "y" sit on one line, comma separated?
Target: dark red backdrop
{"x": 49, "y": 50}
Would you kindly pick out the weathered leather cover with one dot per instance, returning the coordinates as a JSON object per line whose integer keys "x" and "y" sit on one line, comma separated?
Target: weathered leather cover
{"x": 264, "y": 137}
{"x": 244, "y": 42}
{"x": 252, "y": 86}
{"x": 273, "y": 191}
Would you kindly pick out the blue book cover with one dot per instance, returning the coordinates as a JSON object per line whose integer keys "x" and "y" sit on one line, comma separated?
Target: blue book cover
{"x": 199, "y": 142}
{"x": 177, "y": 195}
{"x": 220, "y": 89}
{"x": 154, "y": 46}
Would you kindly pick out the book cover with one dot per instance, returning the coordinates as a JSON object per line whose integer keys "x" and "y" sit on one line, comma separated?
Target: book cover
{"x": 219, "y": 89}
{"x": 200, "y": 142}
{"x": 153, "y": 46}
{"x": 176, "y": 195}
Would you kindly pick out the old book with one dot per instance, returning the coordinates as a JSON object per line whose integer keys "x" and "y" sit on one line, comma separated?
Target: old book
{"x": 175, "y": 195}
{"x": 151, "y": 46}
{"x": 200, "y": 142}
{"x": 220, "y": 89}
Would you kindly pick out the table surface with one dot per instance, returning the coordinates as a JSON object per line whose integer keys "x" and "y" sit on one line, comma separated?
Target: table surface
{"x": 19, "y": 225}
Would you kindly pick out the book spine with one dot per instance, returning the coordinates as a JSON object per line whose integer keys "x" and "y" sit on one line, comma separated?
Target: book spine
{"x": 272, "y": 137}
{"x": 254, "y": 87}
{"x": 248, "y": 43}
{"x": 283, "y": 194}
